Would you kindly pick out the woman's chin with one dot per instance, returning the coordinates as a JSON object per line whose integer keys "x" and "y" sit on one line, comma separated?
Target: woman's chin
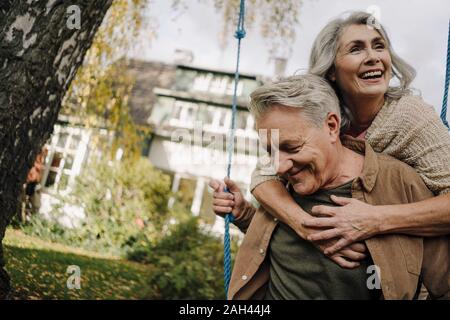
{"x": 373, "y": 89}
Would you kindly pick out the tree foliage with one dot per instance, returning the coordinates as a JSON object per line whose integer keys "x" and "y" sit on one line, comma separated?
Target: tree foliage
{"x": 276, "y": 19}
{"x": 100, "y": 91}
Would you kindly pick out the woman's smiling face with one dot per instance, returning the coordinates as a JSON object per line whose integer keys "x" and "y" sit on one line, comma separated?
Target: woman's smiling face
{"x": 363, "y": 65}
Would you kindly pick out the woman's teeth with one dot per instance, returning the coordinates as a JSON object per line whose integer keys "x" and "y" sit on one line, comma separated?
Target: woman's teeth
{"x": 370, "y": 75}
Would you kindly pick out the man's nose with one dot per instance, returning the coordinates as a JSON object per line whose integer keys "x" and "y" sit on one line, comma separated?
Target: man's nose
{"x": 284, "y": 165}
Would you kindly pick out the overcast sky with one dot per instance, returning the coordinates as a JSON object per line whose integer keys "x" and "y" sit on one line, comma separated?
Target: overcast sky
{"x": 418, "y": 30}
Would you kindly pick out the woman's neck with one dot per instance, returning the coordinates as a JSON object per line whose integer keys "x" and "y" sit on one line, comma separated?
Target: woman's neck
{"x": 363, "y": 110}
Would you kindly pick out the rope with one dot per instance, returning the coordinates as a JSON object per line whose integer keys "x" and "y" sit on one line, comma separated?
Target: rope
{"x": 239, "y": 35}
{"x": 447, "y": 80}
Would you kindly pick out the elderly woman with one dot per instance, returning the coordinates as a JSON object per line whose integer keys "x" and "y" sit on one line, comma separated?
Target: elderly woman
{"x": 357, "y": 59}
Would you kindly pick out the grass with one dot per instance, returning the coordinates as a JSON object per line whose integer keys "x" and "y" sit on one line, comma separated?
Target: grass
{"x": 38, "y": 270}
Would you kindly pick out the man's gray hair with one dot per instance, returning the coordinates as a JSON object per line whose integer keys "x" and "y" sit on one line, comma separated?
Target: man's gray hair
{"x": 323, "y": 53}
{"x": 311, "y": 93}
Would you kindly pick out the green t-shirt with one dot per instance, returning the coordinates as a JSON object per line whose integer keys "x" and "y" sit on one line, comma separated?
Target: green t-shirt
{"x": 298, "y": 270}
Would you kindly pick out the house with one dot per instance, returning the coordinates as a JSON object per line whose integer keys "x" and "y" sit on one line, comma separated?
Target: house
{"x": 190, "y": 117}
{"x": 69, "y": 149}
{"x": 189, "y": 112}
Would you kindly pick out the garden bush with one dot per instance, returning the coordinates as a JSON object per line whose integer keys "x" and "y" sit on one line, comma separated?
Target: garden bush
{"x": 124, "y": 202}
{"x": 188, "y": 263}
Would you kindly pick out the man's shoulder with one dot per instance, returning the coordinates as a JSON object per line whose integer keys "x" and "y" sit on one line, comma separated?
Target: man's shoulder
{"x": 390, "y": 165}
{"x": 393, "y": 172}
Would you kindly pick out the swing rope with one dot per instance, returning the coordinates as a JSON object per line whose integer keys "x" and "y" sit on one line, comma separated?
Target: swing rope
{"x": 239, "y": 35}
{"x": 447, "y": 80}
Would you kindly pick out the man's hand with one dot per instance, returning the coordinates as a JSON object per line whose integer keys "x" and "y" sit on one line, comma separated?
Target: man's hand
{"x": 227, "y": 202}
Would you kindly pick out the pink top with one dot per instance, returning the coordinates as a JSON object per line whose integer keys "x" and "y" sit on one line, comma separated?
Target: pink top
{"x": 360, "y": 136}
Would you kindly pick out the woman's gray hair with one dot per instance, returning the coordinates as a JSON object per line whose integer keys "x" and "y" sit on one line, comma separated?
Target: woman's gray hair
{"x": 311, "y": 93}
{"x": 323, "y": 53}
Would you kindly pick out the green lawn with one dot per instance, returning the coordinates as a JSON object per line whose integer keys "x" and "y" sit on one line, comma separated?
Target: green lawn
{"x": 38, "y": 271}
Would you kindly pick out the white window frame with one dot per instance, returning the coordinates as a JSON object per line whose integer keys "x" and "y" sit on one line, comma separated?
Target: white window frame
{"x": 78, "y": 153}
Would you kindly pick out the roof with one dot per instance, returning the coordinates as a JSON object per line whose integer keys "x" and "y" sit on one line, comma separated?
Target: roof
{"x": 152, "y": 78}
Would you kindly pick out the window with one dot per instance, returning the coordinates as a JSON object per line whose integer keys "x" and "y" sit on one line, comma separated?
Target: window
{"x": 51, "y": 178}
{"x": 184, "y": 79}
{"x": 62, "y": 139}
{"x": 219, "y": 85}
{"x": 162, "y": 111}
{"x": 215, "y": 83}
{"x": 202, "y": 82}
{"x": 224, "y": 118}
{"x": 241, "y": 120}
{"x": 56, "y": 159}
{"x": 184, "y": 113}
{"x": 66, "y": 154}
{"x": 230, "y": 88}
{"x": 75, "y": 141}
{"x": 68, "y": 161}
{"x": 206, "y": 114}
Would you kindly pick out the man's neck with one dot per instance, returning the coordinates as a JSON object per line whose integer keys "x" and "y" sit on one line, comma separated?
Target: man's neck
{"x": 347, "y": 166}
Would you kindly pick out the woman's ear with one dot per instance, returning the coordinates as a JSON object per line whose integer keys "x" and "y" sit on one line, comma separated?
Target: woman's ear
{"x": 331, "y": 74}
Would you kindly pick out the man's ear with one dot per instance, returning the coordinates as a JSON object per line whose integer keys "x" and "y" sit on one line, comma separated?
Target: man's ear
{"x": 333, "y": 123}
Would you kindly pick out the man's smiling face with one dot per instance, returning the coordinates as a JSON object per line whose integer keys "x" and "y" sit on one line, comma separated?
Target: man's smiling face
{"x": 305, "y": 151}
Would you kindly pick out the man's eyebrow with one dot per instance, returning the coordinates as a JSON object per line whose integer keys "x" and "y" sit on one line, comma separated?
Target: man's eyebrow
{"x": 283, "y": 144}
{"x": 290, "y": 142}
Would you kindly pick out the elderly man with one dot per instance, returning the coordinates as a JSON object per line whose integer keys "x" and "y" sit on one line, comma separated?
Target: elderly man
{"x": 273, "y": 262}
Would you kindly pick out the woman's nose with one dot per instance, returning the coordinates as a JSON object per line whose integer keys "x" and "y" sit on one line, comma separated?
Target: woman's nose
{"x": 372, "y": 56}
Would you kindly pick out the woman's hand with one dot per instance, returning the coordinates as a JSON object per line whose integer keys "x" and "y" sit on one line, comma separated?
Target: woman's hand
{"x": 354, "y": 221}
{"x": 227, "y": 202}
{"x": 348, "y": 257}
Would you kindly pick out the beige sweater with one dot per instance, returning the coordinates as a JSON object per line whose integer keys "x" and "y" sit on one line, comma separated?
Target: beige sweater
{"x": 410, "y": 130}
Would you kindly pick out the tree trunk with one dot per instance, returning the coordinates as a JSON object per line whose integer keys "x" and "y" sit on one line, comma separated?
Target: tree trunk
{"x": 39, "y": 56}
